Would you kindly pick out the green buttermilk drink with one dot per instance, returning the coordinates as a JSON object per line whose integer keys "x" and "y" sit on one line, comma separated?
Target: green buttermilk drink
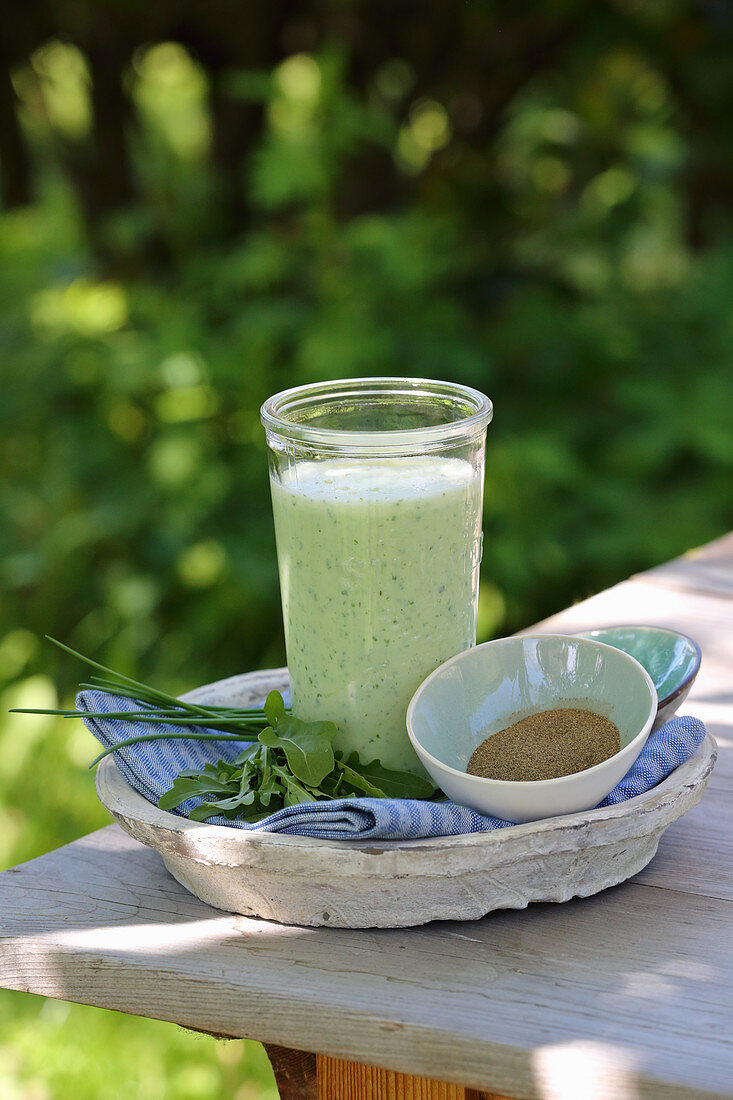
{"x": 378, "y": 561}
{"x": 377, "y": 487}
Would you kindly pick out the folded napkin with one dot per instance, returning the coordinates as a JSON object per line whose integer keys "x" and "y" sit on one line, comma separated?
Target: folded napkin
{"x": 151, "y": 768}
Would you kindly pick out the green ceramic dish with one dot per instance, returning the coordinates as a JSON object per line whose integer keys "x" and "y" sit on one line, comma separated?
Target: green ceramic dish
{"x": 671, "y": 659}
{"x": 485, "y": 689}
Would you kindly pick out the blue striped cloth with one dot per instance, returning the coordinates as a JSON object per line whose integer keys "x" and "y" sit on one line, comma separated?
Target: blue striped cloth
{"x": 151, "y": 768}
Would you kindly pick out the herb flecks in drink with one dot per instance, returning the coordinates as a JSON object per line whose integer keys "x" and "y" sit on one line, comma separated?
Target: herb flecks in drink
{"x": 379, "y": 575}
{"x": 546, "y": 745}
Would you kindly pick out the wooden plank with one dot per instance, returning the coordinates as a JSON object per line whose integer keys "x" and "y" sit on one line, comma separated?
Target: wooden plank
{"x": 341, "y": 1080}
{"x": 705, "y": 617}
{"x": 295, "y": 1072}
{"x": 624, "y": 994}
{"x": 707, "y": 569}
{"x": 696, "y": 853}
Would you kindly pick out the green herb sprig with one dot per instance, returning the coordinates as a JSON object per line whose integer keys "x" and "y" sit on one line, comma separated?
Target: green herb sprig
{"x": 289, "y": 763}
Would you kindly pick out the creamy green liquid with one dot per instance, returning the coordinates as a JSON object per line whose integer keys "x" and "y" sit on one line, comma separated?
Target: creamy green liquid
{"x": 379, "y": 575}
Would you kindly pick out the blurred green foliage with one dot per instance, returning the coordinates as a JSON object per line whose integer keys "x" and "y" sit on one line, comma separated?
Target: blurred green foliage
{"x": 574, "y": 261}
{"x": 51, "y": 1050}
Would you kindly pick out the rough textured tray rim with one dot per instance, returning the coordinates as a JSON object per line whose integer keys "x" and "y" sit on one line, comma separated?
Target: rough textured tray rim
{"x": 123, "y": 802}
{"x": 234, "y": 847}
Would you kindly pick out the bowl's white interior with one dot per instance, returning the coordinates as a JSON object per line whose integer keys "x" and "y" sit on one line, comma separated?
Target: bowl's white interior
{"x": 491, "y": 686}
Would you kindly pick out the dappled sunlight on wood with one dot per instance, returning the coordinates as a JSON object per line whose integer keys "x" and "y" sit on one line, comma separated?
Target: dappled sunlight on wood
{"x": 579, "y": 1070}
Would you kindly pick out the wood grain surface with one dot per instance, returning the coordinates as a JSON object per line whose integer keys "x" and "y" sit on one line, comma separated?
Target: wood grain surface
{"x": 355, "y": 1081}
{"x": 623, "y": 996}
{"x": 295, "y": 1072}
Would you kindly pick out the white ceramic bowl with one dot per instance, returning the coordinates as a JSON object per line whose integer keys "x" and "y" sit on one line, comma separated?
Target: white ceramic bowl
{"x": 487, "y": 688}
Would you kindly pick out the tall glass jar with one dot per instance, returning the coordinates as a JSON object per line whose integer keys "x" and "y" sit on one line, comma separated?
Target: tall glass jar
{"x": 377, "y": 487}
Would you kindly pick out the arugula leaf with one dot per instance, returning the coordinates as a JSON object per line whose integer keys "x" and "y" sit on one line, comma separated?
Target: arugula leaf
{"x": 213, "y": 809}
{"x": 307, "y": 746}
{"x": 274, "y": 708}
{"x": 248, "y": 753}
{"x": 265, "y": 778}
{"x": 359, "y": 782}
{"x": 390, "y": 784}
{"x": 295, "y": 794}
{"x": 237, "y": 800}
{"x": 181, "y": 791}
{"x": 268, "y": 782}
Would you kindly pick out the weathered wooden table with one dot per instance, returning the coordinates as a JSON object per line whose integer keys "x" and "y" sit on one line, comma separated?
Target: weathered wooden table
{"x": 622, "y": 996}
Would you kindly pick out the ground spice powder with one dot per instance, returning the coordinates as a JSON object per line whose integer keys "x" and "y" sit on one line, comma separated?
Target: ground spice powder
{"x": 546, "y": 745}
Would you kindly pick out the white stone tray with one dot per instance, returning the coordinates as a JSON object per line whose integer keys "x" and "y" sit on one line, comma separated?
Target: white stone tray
{"x": 392, "y": 884}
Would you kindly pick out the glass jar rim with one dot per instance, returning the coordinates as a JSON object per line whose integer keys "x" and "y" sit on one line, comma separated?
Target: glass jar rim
{"x": 275, "y": 419}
